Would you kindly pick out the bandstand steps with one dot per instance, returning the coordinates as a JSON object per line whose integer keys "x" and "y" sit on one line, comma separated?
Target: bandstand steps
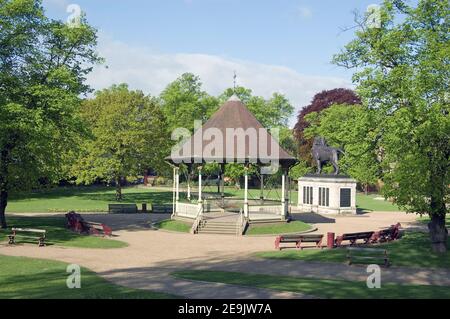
{"x": 214, "y": 227}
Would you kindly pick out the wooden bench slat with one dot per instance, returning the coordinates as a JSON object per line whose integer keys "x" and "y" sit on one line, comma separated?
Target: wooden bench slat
{"x": 298, "y": 240}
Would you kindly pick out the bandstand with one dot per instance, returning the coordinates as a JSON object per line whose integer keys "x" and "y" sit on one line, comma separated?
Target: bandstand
{"x": 231, "y": 135}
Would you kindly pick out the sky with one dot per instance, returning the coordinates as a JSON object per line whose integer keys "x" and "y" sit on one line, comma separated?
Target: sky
{"x": 281, "y": 46}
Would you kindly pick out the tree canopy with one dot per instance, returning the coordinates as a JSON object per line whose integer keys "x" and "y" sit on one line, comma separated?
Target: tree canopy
{"x": 43, "y": 66}
{"x": 402, "y": 75}
{"x": 128, "y": 135}
{"x": 320, "y": 102}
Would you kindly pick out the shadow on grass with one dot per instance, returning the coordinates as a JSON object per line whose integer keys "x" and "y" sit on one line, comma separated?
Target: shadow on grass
{"x": 97, "y": 193}
{"x": 25, "y": 278}
{"x": 57, "y": 234}
{"x": 331, "y": 289}
{"x": 412, "y": 250}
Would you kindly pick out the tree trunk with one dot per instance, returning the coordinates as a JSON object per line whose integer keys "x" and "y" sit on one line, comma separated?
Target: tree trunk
{"x": 119, "y": 189}
{"x": 3, "y": 204}
{"x": 438, "y": 233}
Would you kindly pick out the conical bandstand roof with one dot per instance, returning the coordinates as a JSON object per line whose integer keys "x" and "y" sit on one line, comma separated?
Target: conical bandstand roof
{"x": 219, "y": 143}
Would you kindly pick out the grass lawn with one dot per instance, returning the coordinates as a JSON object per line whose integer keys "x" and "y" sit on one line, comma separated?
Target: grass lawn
{"x": 369, "y": 203}
{"x": 26, "y": 278}
{"x": 426, "y": 220}
{"x": 336, "y": 289}
{"x": 96, "y": 199}
{"x": 413, "y": 250}
{"x": 57, "y": 234}
{"x": 82, "y": 199}
{"x": 174, "y": 225}
{"x": 282, "y": 228}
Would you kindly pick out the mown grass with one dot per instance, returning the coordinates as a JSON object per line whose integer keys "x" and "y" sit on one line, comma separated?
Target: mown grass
{"x": 412, "y": 250}
{"x": 174, "y": 225}
{"x": 82, "y": 199}
{"x": 281, "y": 228}
{"x": 26, "y": 278}
{"x": 58, "y": 234}
{"x": 323, "y": 288}
{"x": 96, "y": 199}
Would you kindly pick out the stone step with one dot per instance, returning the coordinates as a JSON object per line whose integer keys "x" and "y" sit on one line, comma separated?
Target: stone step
{"x": 212, "y": 231}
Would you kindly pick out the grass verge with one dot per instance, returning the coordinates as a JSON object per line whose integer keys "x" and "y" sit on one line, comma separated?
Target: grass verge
{"x": 277, "y": 229}
{"x": 412, "y": 250}
{"x": 174, "y": 225}
{"x": 26, "y": 278}
{"x": 58, "y": 234}
{"x": 330, "y": 289}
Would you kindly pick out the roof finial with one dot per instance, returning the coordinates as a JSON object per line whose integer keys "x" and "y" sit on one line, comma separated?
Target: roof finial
{"x": 234, "y": 97}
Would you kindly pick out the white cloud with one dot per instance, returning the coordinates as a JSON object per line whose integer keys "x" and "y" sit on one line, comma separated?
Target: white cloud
{"x": 59, "y": 4}
{"x": 151, "y": 71}
{"x": 304, "y": 12}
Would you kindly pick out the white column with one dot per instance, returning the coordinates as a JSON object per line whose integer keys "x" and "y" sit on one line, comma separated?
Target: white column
{"x": 177, "y": 187}
{"x": 174, "y": 206}
{"x": 246, "y": 193}
{"x": 283, "y": 194}
{"x": 200, "y": 186}
{"x": 300, "y": 194}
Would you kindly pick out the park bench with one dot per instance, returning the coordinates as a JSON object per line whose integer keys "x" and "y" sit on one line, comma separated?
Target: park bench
{"x": 122, "y": 208}
{"x": 388, "y": 234}
{"x": 27, "y": 233}
{"x": 162, "y": 209}
{"x": 98, "y": 228}
{"x": 373, "y": 255}
{"x": 353, "y": 237}
{"x": 75, "y": 222}
{"x": 298, "y": 240}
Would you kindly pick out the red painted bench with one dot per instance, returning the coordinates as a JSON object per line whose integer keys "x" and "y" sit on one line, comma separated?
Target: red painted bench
{"x": 388, "y": 234}
{"x": 98, "y": 228}
{"x": 298, "y": 240}
{"x": 366, "y": 237}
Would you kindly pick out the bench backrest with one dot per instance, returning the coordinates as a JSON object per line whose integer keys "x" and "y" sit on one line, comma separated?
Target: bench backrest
{"x": 357, "y": 235}
{"x": 367, "y": 250}
{"x": 304, "y": 238}
{"x": 123, "y": 208}
{"x": 29, "y": 230}
{"x": 162, "y": 208}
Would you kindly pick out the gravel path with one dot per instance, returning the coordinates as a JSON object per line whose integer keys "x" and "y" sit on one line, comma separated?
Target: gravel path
{"x": 152, "y": 255}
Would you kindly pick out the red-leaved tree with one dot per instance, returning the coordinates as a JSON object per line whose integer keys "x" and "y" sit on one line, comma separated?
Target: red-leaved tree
{"x": 320, "y": 102}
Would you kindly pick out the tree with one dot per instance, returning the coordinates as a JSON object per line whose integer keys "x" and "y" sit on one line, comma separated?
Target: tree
{"x": 43, "y": 65}
{"x": 274, "y": 112}
{"x": 128, "y": 134}
{"x": 403, "y": 78}
{"x": 345, "y": 126}
{"x": 184, "y": 102}
{"x": 271, "y": 113}
{"x": 321, "y": 101}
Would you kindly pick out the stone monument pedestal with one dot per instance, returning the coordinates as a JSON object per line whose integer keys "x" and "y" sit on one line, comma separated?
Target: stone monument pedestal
{"x": 327, "y": 194}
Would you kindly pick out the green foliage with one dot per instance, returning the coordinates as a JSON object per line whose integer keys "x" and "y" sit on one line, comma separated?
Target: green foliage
{"x": 345, "y": 126}
{"x": 183, "y": 102}
{"x": 128, "y": 135}
{"x": 402, "y": 75}
{"x": 299, "y": 170}
{"x": 43, "y": 67}
{"x": 274, "y": 112}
